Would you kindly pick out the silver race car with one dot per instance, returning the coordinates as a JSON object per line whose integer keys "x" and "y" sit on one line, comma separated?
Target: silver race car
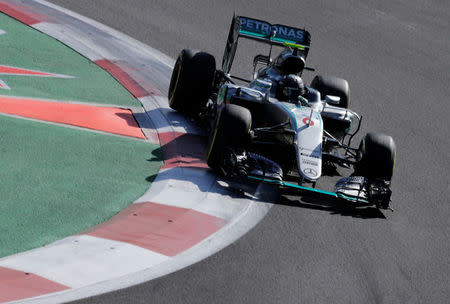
{"x": 275, "y": 129}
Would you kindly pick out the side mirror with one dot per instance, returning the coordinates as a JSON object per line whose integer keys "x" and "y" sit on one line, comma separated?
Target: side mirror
{"x": 334, "y": 100}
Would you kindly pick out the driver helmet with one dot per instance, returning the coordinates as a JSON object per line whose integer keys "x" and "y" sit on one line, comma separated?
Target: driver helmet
{"x": 290, "y": 88}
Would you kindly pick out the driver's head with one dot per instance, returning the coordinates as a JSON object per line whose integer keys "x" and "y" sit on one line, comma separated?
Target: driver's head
{"x": 290, "y": 88}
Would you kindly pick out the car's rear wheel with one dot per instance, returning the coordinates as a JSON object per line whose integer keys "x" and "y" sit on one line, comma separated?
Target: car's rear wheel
{"x": 330, "y": 85}
{"x": 191, "y": 82}
{"x": 377, "y": 157}
{"x": 231, "y": 130}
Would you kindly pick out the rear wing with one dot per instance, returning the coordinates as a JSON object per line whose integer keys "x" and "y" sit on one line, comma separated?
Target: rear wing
{"x": 273, "y": 34}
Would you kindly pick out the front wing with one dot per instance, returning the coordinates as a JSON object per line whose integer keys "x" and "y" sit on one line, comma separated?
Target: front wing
{"x": 355, "y": 190}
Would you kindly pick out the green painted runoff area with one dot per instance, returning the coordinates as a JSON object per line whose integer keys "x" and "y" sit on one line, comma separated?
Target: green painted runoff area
{"x": 24, "y": 47}
{"x": 58, "y": 181}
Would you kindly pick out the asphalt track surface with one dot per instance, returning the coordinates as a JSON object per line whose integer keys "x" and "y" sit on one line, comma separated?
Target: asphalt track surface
{"x": 396, "y": 57}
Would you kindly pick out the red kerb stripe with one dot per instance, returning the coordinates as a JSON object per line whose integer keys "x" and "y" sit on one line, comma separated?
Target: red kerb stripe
{"x": 126, "y": 80}
{"x": 17, "y": 285}
{"x": 20, "y": 13}
{"x": 164, "y": 229}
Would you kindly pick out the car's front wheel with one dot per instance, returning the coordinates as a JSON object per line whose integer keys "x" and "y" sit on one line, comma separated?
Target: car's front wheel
{"x": 377, "y": 157}
{"x": 231, "y": 130}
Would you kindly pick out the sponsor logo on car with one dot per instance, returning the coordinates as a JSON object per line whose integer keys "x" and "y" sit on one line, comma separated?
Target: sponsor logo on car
{"x": 309, "y": 162}
{"x": 308, "y": 122}
{"x": 266, "y": 28}
{"x": 310, "y": 172}
{"x": 310, "y": 153}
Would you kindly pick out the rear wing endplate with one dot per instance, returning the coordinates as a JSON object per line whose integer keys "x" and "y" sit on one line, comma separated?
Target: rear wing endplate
{"x": 273, "y": 34}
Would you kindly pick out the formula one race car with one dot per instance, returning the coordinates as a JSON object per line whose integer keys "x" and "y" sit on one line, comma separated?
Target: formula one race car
{"x": 275, "y": 129}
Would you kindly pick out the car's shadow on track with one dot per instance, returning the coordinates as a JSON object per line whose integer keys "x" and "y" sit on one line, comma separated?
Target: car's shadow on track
{"x": 204, "y": 180}
{"x": 333, "y": 206}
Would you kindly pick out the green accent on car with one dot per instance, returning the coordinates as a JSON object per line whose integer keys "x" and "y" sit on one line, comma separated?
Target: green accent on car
{"x": 292, "y": 45}
{"x": 285, "y": 42}
{"x": 285, "y": 184}
{"x": 253, "y": 34}
{"x": 289, "y": 185}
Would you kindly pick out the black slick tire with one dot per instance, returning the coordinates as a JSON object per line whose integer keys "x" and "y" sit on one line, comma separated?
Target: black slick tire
{"x": 377, "y": 157}
{"x": 231, "y": 129}
{"x": 191, "y": 82}
{"x": 330, "y": 85}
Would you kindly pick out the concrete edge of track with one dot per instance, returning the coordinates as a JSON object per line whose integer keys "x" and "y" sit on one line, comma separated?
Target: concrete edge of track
{"x": 184, "y": 181}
